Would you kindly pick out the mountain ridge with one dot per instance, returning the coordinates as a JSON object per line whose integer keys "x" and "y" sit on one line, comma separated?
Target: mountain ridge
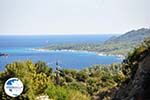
{"x": 133, "y": 35}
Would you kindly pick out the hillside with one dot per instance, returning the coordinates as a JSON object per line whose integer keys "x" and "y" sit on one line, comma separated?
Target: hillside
{"x": 131, "y": 36}
{"x": 137, "y": 69}
{"x": 126, "y": 42}
{"x": 120, "y": 45}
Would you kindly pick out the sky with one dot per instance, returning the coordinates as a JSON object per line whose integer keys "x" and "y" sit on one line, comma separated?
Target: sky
{"x": 43, "y": 17}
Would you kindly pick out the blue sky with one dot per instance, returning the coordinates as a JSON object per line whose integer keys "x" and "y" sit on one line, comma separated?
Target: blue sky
{"x": 24, "y": 17}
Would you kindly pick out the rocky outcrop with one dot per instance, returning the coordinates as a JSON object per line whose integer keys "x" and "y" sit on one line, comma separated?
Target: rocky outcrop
{"x": 138, "y": 87}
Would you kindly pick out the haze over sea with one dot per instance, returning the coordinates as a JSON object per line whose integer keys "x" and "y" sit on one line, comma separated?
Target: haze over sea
{"x": 21, "y": 48}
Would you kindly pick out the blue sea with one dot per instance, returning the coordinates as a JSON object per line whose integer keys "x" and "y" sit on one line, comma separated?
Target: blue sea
{"x": 21, "y": 48}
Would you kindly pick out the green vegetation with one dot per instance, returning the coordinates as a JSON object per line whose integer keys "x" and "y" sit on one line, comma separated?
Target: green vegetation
{"x": 116, "y": 45}
{"x": 38, "y": 79}
{"x": 131, "y": 62}
{"x": 137, "y": 71}
{"x": 62, "y": 84}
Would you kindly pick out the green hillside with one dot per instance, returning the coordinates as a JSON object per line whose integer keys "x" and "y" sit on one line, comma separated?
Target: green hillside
{"x": 132, "y": 36}
{"x": 120, "y": 45}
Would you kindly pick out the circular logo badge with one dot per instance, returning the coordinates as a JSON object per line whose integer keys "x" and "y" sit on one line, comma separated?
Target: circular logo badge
{"x": 13, "y": 87}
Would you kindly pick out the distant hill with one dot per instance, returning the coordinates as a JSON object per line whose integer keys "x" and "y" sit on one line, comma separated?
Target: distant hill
{"x": 132, "y": 36}
{"x": 116, "y": 45}
{"x": 125, "y": 43}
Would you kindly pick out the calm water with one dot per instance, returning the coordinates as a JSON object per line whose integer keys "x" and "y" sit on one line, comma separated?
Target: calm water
{"x": 20, "y": 48}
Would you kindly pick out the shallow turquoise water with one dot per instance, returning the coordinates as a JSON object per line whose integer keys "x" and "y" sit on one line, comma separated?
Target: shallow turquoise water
{"x": 66, "y": 59}
{"x": 20, "y": 48}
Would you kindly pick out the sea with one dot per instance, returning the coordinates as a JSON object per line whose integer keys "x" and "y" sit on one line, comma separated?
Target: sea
{"x": 22, "y": 48}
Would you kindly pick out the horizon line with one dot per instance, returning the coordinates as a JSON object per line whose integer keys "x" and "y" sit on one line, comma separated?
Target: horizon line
{"x": 57, "y": 34}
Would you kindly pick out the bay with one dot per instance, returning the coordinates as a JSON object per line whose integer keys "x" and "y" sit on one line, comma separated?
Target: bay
{"x": 21, "y": 48}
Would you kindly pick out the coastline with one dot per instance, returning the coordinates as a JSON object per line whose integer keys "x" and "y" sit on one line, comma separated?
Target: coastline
{"x": 84, "y": 51}
{"x": 104, "y": 54}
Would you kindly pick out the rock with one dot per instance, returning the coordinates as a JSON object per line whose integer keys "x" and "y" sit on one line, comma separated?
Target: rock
{"x": 137, "y": 88}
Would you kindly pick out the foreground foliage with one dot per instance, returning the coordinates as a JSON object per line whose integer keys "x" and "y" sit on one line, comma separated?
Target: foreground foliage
{"x": 38, "y": 80}
{"x": 61, "y": 84}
